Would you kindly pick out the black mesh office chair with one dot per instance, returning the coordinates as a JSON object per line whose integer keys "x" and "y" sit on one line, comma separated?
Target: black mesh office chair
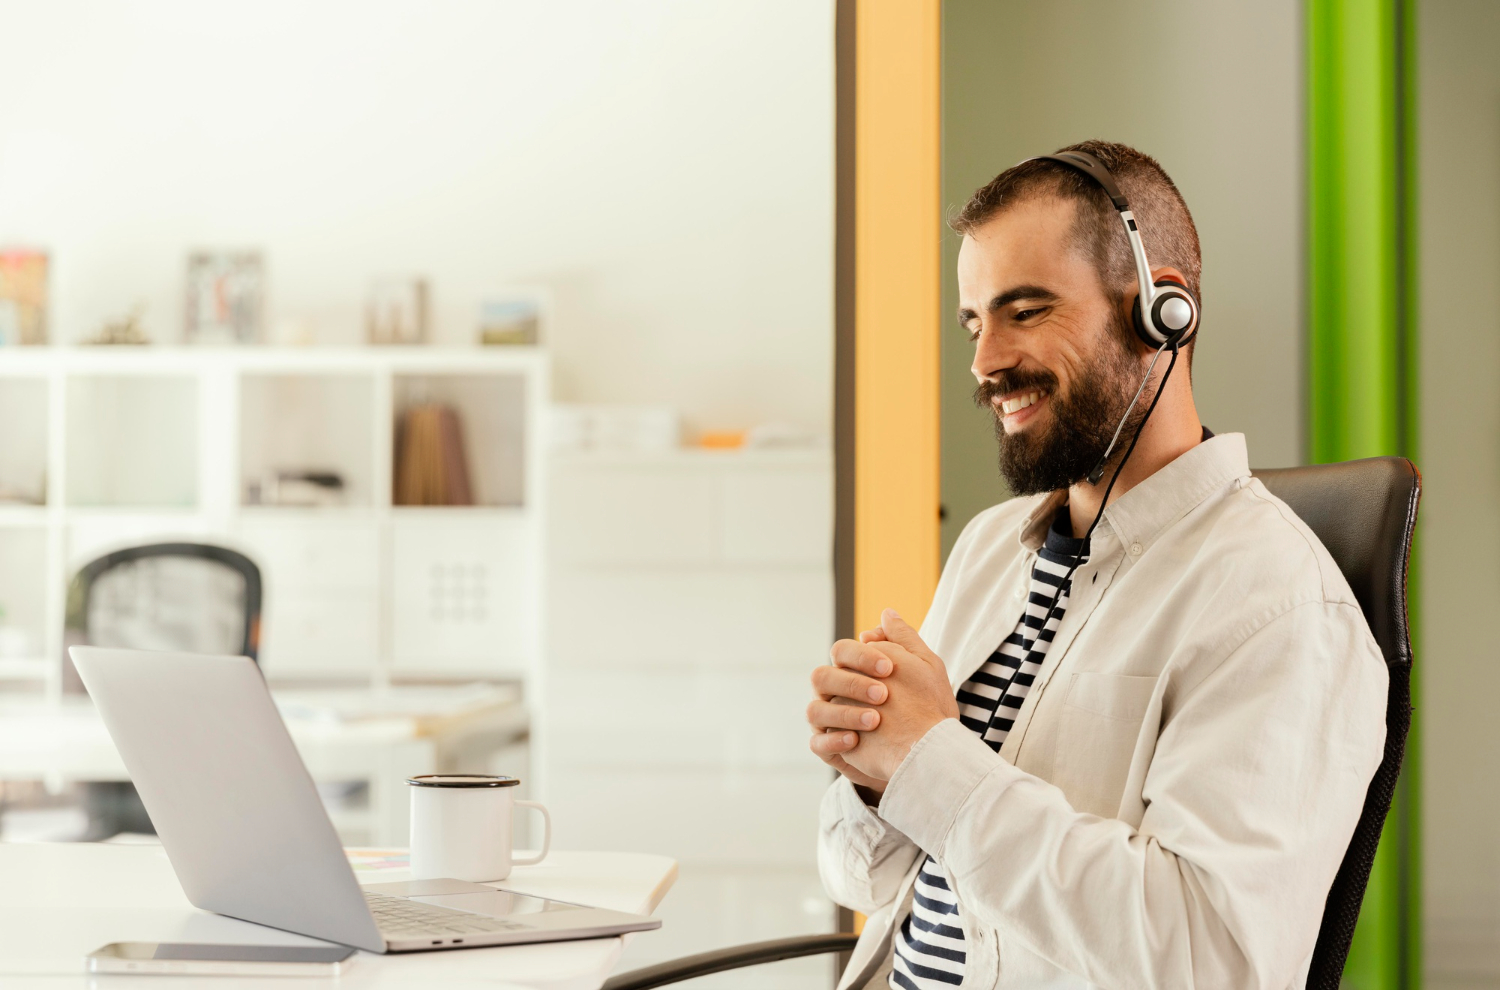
{"x": 193, "y": 597}
{"x": 1364, "y": 512}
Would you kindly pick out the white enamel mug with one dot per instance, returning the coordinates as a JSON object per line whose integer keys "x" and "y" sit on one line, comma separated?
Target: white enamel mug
{"x": 461, "y": 827}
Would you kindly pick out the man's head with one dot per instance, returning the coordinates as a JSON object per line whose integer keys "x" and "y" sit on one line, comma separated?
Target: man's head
{"x": 1046, "y": 282}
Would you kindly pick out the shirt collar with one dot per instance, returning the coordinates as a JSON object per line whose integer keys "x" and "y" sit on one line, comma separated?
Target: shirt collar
{"x": 1153, "y": 505}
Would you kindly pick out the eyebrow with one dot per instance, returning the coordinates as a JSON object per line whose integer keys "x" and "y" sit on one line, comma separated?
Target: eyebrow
{"x": 1037, "y": 292}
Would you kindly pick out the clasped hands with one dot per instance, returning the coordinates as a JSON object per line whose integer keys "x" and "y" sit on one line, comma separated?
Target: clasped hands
{"x": 881, "y": 694}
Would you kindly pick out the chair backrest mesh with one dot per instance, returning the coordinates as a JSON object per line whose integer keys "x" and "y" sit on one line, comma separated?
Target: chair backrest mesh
{"x": 189, "y": 597}
{"x": 191, "y": 604}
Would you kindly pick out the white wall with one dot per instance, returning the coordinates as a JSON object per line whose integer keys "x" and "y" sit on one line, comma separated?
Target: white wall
{"x": 663, "y": 166}
{"x": 1458, "y": 174}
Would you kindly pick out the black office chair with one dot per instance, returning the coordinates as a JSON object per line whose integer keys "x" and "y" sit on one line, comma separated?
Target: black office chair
{"x": 1364, "y": 512}
{"x": 193, "y": 597}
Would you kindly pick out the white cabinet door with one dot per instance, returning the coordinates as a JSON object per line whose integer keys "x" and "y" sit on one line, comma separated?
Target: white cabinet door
{"x": 780, "y": 515}
{"x": 633, "y": 515}
{"x": 464, "y": 593}
{"x": 726, "y": 817}
{"x": 321, "y": 590}
{"x": 712, "y": 616}
{"x": 621, "y": 719}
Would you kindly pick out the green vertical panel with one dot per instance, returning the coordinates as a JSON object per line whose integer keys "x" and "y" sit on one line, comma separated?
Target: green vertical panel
{"x": 1361, "y": 394}
{"x": 1351, "y": 212}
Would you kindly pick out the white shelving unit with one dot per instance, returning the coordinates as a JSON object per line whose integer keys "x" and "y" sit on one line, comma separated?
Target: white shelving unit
{"x": 126, "y": 445}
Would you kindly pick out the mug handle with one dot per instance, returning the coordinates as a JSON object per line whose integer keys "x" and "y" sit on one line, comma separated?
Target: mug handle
{"x": 546, "y": 834}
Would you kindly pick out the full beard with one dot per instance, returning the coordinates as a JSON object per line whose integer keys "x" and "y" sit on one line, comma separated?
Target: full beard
{"x": 1083, "y": 420}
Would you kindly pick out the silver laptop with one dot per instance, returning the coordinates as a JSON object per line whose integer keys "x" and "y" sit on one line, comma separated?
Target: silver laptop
{"x": 242, "y": 823}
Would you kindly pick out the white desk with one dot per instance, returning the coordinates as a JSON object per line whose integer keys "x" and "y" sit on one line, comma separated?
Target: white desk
{"x": 60, "y": 902}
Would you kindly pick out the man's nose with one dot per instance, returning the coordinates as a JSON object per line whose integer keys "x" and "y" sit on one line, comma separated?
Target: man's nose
{"x": 993, "y": 354}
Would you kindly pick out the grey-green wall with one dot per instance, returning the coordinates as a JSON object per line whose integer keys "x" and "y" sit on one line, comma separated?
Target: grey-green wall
{"x": 1214, "y": 92}
{"x": 1458, "y": 176}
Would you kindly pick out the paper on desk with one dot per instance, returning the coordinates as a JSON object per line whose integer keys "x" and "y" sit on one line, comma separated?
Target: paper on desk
{"x": 378, "y": 860}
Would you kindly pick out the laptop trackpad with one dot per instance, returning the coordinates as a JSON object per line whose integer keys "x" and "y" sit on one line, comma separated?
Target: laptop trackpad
{"x": 497, "y": 903}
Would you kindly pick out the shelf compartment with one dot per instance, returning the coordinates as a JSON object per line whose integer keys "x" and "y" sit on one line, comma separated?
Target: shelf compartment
{"x": 23, "y": 599}
{"x": 132, "y": 440}
{"x": 308, "y": 423}
{"x": 23, "y": 456}
{"x": 491, "y": 411}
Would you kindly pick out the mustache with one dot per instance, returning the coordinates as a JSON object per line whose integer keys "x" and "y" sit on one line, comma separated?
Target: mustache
{"x": 1013, "y": 380}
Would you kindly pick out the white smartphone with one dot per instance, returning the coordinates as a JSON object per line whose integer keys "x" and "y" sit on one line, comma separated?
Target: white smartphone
{"x": 195, "y": 959}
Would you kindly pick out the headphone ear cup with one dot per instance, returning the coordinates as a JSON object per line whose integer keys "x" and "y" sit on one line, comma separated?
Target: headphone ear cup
{"x": 1157, "y": 332}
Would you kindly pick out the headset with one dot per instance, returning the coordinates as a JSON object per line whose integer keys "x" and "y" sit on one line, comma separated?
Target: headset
{"x": 1165, "y": 313}
{"x": 1165, "y": 317}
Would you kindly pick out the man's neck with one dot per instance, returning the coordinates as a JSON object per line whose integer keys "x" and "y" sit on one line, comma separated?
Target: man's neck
{"x": 1172, "y": 430}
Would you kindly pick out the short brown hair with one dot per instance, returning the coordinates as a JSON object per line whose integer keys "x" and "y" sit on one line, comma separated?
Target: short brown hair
{"x": 1166, "y": 226}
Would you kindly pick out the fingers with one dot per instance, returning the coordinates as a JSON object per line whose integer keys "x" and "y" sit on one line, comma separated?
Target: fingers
{"x": 836, "y": 682}
{"x": 830, "y": 715}
{"x": 897, "y": 631}
{"x": 872, "y": 635}
{"x": 865, "y": 658}
{"x": 828, "y": 745}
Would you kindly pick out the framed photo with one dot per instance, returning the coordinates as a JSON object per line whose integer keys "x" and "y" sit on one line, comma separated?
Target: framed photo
{"x": 226, "y": 295}
{"x": 513, "y": 316}
{"x": 397, "y": 311}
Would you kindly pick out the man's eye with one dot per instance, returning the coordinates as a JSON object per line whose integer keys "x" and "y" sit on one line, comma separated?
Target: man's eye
{"x": 973, "y": 333}
{"x": 1026, "y": 314}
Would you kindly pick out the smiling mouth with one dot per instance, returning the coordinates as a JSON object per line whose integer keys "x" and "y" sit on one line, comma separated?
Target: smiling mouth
{"x": 1016, "y": 403}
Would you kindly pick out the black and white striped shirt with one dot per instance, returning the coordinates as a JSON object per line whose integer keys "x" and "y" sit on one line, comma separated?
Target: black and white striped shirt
{"x": 929, "y": 947}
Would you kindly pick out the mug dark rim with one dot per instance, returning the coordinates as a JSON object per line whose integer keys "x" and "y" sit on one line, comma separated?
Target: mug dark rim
{"x": 462, "y": 780}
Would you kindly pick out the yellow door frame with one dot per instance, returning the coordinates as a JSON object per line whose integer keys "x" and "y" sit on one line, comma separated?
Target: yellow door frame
{"x": 889, "y": 308}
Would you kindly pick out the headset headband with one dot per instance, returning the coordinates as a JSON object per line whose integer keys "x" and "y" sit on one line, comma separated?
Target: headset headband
{"x": 1149, "y": 317}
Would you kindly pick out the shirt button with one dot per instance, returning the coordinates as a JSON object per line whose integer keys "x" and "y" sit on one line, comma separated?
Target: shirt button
{"x": 1135, "y": 549}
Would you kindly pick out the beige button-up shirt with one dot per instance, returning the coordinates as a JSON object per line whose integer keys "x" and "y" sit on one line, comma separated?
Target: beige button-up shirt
{"x": 1182, "y": 781}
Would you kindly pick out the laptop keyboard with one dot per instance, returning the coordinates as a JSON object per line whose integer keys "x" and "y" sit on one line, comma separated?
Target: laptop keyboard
{"x": 400, "y": 916}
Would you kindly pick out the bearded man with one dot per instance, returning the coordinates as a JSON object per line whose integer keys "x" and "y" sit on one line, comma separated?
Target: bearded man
{"x": 1134, "y": 761}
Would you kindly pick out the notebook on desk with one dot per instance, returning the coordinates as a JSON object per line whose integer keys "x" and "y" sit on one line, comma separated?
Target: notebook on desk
{"x": 247, "y": 834}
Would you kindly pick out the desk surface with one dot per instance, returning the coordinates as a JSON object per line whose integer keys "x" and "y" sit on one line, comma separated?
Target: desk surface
{"x": 60, "y": 902}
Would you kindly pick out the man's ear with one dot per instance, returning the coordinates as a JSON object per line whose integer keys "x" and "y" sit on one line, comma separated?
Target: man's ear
{"x": 1167, "y": 273}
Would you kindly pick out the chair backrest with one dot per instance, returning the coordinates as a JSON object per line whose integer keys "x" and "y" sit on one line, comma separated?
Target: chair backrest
{"x": 1364, "y": 512}
{"x": 183, "y": 597}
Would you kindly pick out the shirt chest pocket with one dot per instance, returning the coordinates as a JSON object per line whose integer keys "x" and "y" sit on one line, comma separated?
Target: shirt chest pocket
{"x": 1098, "y": 735}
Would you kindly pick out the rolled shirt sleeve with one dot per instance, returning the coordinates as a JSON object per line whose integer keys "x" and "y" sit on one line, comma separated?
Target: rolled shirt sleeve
{"x": 1253, "y": 792}
{"x": 862, "y": 859}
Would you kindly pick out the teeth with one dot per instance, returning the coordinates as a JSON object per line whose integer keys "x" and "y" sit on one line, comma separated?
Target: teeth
{"x": 1021, "y": 402}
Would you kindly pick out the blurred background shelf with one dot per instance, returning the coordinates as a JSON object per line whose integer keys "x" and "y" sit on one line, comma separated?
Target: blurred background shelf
{"x": 287, "y": 455}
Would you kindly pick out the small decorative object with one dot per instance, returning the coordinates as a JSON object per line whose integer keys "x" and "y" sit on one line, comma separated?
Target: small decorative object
{"x": 591, "y": 427}
{"x": 302, "y": 489}
{"x": 126, "y": 330}
{"x": 23, "y": 296}
{"x": 722, "y": 439}
{"x": 225, "y": 297}
{"x": 397, "y": 312}
{"x": 509, "y": 321}
{"x": 431, "y": 468}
